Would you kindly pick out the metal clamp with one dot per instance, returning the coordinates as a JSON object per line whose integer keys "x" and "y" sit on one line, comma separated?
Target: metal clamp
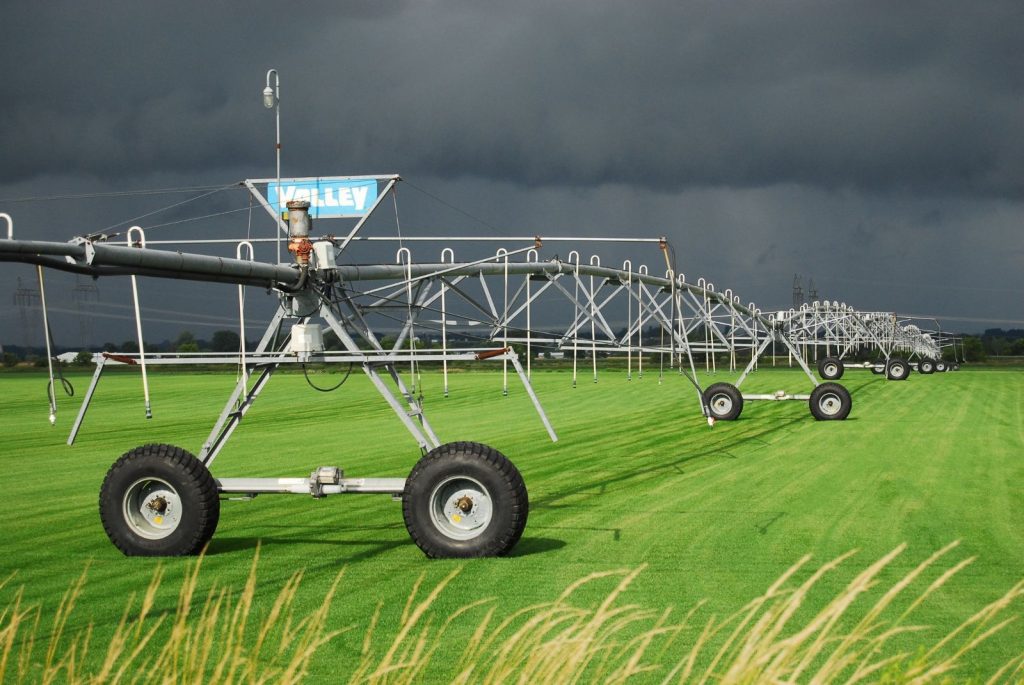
{"x": 325, "y": 475}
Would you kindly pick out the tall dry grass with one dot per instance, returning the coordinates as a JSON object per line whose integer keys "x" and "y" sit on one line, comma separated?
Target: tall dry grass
{"x": 795, "y": 632}
{"x": 212, "y": 641}
{"x": 774, "y": 638}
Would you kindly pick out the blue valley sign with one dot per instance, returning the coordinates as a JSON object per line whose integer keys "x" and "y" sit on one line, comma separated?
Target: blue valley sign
{"x": 327, "y": 197}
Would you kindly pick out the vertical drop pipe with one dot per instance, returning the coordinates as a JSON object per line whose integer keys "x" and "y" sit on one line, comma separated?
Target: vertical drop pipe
{"x": 138, "y": 320}
{"x": 51, "y": 391}
{"x": 243, "y": 247}
{"x": 444, "y": 319}
{"x": 594, "y": 261}
{"x": 575, "y": 304}
{"x": 502, "y": 252}
{"x": 531, "y": 256}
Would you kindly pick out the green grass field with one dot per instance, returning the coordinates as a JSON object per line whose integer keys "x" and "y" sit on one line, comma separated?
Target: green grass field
{"x": 637, "y": 478}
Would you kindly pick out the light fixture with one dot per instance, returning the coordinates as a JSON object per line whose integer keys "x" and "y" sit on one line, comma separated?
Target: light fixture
{"x": 272, "y": 100}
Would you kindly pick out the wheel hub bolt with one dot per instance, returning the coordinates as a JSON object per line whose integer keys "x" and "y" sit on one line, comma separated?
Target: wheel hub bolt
{"x": 158, "y": 504}
{"x": 465, "y": 504}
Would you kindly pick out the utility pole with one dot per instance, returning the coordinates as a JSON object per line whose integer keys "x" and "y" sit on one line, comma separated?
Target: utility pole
{"x": 26, "y": 300}
{"x": 85, "y": 296}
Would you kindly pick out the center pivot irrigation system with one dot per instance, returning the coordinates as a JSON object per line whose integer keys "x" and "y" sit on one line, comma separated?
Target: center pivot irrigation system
{"x": 461, "y": 499}
{"x": 841, "y": 333}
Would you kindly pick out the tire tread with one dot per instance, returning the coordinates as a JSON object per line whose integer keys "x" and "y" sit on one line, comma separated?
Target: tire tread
{"x": 195, "y": 474}
{"x": 518, "y": 505}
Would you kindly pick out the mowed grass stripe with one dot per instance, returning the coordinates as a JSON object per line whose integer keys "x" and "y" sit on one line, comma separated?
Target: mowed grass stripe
{"x": 637, "y": 477}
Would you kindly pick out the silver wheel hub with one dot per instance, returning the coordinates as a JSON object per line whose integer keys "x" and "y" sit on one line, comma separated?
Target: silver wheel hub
{"x": 830, "y": 369}
{"x": 461, "y": 507}
{"x": 721, "y": 404}
{"x": 152, "y": 508}
{"x": 830, "y": 404}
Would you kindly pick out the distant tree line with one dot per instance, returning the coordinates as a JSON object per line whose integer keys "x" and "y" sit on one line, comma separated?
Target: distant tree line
{"x": 996, "y": 342}
{"x": 221, "y": 341}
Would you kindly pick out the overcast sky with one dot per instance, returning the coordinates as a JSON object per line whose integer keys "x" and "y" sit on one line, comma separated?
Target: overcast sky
{"x": 876, "y": 147}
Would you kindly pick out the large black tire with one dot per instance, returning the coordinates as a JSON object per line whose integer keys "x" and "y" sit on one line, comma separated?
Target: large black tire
{"x": 724, "y": 401}
{"x": 464, "y": 499}
{"x": 897, "y": 369}
{"x": 941, "y": 366}
{"x": 830, "y": 368}
{"x": 878, "y": 368}
{"x": 159, "y": 500}
{"x": 926, "y": 366}
{"x": 830, "y": 402}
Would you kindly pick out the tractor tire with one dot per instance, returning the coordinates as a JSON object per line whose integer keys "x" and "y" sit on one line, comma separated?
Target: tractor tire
{"x": 897, "y": 369}
{"x": 724, "y": 401}
{"x": 465, "y": 499}
{"x": 926, "y": 366}
{"x": 159, "y": 500}
{"x": 830, "y": 402}
{"x": 830, "y": 368}
{"x": 941, "y": 366}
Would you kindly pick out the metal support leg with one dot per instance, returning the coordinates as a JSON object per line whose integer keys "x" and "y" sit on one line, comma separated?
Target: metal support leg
{"x": 85, "y": 402}
{"x": 533, "y": 396}
{"x": 415, "y": 409}
{"x": 231, "y": 417}
{"x": 404, "y": 414}
{"x": 753, "y": 360}
{"x": 799, "y": 360}
{"x": 233, "y": 411}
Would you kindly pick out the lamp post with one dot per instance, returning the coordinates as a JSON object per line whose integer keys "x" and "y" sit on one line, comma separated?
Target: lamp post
{"x": 272, "y": 100}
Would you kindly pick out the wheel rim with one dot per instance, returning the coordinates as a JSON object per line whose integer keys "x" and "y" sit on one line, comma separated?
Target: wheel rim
{"x": 830, "y": 404}
{"x": 721, "y": 404}
{"x": 461, "y": 508}
{"x": 831, "y": 369}
{"x": 152, "y": 508}
{"x": 896, "y": 369}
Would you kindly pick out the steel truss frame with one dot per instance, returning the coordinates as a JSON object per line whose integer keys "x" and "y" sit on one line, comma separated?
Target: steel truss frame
{"x": 508, "y": 300}
{"x": 843, "y": 331}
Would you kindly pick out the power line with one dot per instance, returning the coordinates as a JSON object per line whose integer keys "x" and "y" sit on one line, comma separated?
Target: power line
{"x": 116, "y": 193}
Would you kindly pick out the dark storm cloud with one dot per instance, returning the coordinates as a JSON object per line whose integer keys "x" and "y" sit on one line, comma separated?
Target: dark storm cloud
{"x": 894, "y": 97}
{"x": 877, "y": 147}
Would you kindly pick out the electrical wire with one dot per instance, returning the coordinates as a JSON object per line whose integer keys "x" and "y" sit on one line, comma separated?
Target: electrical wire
{"x": 331, "y": 389}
